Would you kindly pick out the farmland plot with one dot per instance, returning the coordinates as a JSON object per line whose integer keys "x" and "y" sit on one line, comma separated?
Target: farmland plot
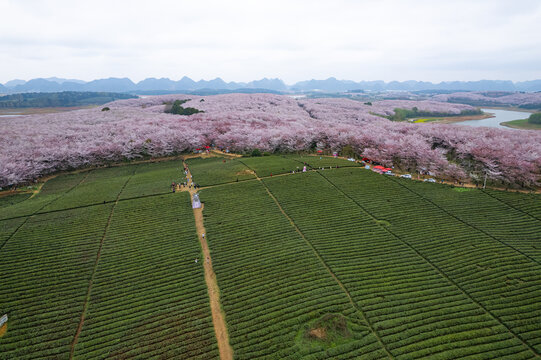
{"x": 267, "y": 165}
{"x": 416, "y": 310}
{"x": 11, "y": 200}
{"x": 44, "y": 274}
{"x": 272, "y": 283}
{"x": 52, "y": 191}
{"x": 149, "y": 297}
{"x": 8, "y": 228}
{"x": 217, "y": 170}
{"x": 482, "y": 212}
{"x": 94, "y": 187}
{"x": 153, "y": 178}
{"x": 399, "y": 268}
{"x": 317, "y": 162}
{"x": 528, "y": 203}
{"x": 503, "y": 281}
{"x": 99, "y": 186}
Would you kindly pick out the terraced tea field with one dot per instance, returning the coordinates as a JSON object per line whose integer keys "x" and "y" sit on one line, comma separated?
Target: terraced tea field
{"x": 101, "y": 265}
{"x": 340, "y": 263}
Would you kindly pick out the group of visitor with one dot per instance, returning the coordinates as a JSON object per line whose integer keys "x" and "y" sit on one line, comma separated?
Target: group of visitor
{"x": 185, "y": 182}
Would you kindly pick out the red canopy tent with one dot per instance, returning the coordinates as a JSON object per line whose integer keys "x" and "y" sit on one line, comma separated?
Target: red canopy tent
{"x": 381, "y": 169}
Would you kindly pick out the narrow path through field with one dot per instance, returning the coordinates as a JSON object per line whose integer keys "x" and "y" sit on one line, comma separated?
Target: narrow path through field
{"x": 322, "y": 261}
{"x": 98, "y": 255}
{"x": 218, "y": 316}
{"x": 221, "y": 153}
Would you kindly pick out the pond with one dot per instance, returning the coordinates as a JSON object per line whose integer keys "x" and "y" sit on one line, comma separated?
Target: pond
{"x": 499, "y": 117}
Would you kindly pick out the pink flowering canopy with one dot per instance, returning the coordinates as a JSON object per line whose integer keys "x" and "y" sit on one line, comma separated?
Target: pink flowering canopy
{"x": 494, "y": 97}
{"x": 36, "y": 145}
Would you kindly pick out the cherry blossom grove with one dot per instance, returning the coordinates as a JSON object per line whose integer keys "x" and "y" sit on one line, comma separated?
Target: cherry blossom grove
{"x": 37, "y": 145}
{"x": 494, "y": 98}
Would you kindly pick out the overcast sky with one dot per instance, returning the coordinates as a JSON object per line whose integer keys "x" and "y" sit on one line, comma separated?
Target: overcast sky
{"x": 432, "y": 40}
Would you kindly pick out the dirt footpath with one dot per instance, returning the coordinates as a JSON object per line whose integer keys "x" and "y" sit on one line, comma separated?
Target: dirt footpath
{"x": 218, "y": 317}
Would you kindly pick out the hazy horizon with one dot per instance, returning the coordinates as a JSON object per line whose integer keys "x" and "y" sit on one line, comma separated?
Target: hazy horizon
{"x": 241, "y": 41}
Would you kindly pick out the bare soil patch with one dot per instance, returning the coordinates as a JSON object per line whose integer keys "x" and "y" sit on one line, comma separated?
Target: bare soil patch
{"x": 246, "y": 172}
{"x": 319, "y": 333}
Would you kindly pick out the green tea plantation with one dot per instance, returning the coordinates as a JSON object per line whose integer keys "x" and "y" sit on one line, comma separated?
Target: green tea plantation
{"x": 330, "y": 262}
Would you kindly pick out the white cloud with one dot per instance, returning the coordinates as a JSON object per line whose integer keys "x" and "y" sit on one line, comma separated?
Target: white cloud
{"x": 295, "y": 40}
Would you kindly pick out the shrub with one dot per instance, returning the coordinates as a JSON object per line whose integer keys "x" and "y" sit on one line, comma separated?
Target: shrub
{"x": 535, "y": 118}
{"x": 177, "y": 109}
{"x": 105, "y": 109}
{"x": 256, "y": 152}
{"x": 348, "y": 151}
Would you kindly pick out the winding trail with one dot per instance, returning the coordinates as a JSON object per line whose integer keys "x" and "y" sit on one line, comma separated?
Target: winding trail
{"x": 218, "y": 316}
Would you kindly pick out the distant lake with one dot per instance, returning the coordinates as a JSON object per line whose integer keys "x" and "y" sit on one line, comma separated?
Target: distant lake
{"x": 10, "y": 115}
{"x": 499, "y": 117}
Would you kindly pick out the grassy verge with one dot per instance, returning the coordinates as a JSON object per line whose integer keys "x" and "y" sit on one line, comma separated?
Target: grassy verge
{"x": 521, "y": 124}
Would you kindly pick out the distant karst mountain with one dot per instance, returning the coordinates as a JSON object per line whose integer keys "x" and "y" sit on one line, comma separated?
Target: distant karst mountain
{"x": 60, "y": 80}
{"x": 14, "y": 82}
{"x": 185, "y": 84}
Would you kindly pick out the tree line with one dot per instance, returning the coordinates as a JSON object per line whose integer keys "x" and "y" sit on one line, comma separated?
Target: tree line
{"x": 59, "y": 99}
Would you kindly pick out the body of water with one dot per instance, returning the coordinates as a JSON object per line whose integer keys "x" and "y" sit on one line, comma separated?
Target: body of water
{"x": 10, "y": 115}
{"x": 499, "y": 117}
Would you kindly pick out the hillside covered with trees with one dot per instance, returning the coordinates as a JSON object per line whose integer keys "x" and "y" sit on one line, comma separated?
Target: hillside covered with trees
{"x": 59, "y": 99}
{"x": 37, "y": 145}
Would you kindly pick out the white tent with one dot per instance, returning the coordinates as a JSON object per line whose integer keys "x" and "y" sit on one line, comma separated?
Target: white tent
{"x": 196, "y": 203}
